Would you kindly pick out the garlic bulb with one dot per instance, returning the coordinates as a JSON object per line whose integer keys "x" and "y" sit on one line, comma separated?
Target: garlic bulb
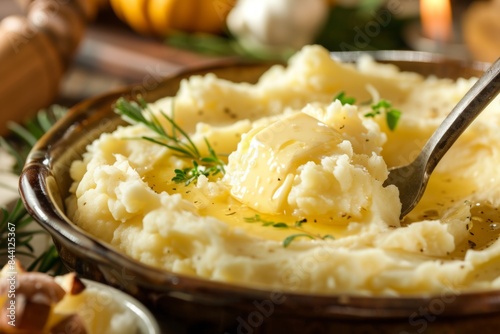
{"x": 277, "y": 25}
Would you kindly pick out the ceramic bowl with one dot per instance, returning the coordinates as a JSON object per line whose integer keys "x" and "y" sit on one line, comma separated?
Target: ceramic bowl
{"x": 189, "y": 304}
{"x": 145, "y": 321}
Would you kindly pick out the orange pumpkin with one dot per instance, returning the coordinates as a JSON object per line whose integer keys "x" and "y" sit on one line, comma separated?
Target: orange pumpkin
{"x": 160, "y": 17}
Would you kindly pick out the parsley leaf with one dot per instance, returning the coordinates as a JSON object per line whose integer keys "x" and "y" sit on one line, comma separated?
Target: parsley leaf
{"x": 344, "y": 99}
{"x": 392, "y": 115}
{"x": 296, "y": 226}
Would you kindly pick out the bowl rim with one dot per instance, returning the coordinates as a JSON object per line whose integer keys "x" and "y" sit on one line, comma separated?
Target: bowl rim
{"x": 35, "y": 193}
{"x": 146, "y": 320}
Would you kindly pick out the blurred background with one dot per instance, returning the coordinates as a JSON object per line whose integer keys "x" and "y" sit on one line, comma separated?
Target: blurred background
{"x": 60, "y": 51}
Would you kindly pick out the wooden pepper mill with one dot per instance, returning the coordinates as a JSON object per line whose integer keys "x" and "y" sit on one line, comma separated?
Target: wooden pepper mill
{"x": 34, "y": 52}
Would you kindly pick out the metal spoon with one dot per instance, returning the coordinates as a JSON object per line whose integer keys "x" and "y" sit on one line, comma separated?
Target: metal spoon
{"x": 412, "y": 179}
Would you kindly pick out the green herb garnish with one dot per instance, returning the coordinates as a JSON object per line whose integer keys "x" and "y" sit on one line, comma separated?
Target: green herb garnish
{"x": 258, "y": 219}
{"x": 344, "y": 99}
{"x": 385, "y": 107}
{"x": 296, "y": 226}
{"x": 288, "y": 240}
{"x": 392, "y": 118}
{"x": 381, "y": 107}
{"x": 174, "y": 138}
{"x": 10, "y": 226}
{"x": 18, "y": 144}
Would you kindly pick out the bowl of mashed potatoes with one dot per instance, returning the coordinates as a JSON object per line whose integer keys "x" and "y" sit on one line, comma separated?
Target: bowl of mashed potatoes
{"x": 37, "y": 303}
{"x": 249, "y": 198}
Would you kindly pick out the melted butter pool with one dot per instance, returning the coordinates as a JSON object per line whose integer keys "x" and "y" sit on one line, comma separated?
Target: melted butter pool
{"x": 443, "y": 191}
{"x": 483, "y": 230}
{"x": 240, "y": 216}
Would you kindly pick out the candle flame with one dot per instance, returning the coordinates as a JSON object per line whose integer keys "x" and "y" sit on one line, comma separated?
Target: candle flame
{"x": 436, "y": 21}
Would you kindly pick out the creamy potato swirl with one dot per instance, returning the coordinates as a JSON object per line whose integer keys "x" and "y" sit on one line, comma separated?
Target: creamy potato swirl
{"x": 304, "y": 165}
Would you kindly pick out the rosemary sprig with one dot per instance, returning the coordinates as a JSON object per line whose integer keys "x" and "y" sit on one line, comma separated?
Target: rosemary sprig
{"x": 174, "y": 138}
{"x": 24, "y": 136}
{"x": 18, "y": 145}
{"x": 19, "y": 220}
{"x": 13, "y": 221}
{"x": 224, "y": 46}
{"x": 48, "y": 261}
{"x": 392, "y": 115}
{"x": 296, "y": 226}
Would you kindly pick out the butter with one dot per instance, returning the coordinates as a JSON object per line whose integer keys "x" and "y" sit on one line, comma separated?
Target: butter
{"x": 262, "y": 172}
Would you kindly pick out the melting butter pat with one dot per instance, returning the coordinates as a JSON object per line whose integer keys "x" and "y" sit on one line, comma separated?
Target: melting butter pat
{"x": 262, "y": 172}
{"x": 305, "y": 165}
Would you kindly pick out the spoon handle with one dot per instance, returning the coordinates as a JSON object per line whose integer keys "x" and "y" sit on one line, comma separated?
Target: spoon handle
{"x": 469, "y": 107}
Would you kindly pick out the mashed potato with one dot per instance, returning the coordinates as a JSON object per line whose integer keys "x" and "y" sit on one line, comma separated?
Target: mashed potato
{"x": 45, "y": 304}
{"x": 101, "y": 311}
{"x": 301, "y": 204}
